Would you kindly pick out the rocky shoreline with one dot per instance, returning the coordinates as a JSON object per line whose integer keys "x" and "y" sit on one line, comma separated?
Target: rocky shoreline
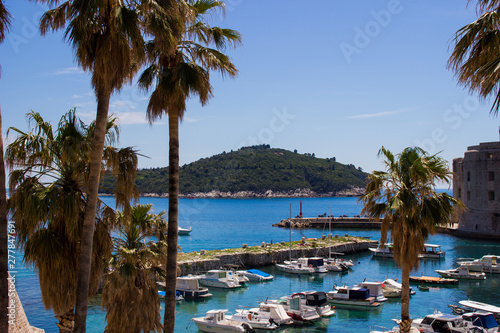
{"x": 299, "y": 193}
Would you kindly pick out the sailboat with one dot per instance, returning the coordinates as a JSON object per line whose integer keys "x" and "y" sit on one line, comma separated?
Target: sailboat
{"x": 294, "y": 267}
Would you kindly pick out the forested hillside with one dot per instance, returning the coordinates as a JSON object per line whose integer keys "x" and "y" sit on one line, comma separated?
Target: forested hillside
{"x": 257, "y": 169}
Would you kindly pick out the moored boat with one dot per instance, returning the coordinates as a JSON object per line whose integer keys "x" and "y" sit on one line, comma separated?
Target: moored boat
{"x": 318, "y": 300}
{"x": 355, "y": 297}
{"x": 438, "y": 322}
{"x": 254, "y": 319}
{"x": 375, "y": 289}
{"x": 462, "y": 272}
{"x": 383, "y": 251}
{"x": 299, "y": 312}
{"x": 215, "y": 321}
{"x": 275, "y": 312}
{"x": 495, "y": 310}
{"x": 485, "y": 320}
{"x": 184, "y": 231}
{"x": 256, "y": 275}
{"x": 487, "y": 264}
{"x": 220, "y": 278}
{"x": 294, "y": 267}
{"x": 189, "y": 287}
{"x": 316, "y": 263}
{"x": 433, "y": 280}
{"x": 432, "y": 251}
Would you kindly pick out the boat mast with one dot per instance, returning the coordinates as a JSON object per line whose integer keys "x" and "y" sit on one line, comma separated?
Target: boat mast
{"x": 329, "y": 233}
{"x": 290, "y": 232}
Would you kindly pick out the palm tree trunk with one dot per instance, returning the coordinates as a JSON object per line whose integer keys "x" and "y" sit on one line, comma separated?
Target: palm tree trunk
{"x": 405, "y": 323}
{"x": 82, "y": 291}
{"x": 4, "y": 295}
{"x": 173, "y": 214}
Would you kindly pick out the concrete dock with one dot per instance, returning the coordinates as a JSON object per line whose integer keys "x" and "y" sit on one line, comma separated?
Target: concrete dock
{"x": 322, "y": 222}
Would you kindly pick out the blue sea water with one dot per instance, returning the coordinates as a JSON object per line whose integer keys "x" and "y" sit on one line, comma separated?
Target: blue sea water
{"x": 228, "y": 223}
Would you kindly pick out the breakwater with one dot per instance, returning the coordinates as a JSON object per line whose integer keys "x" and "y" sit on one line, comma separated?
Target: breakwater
{"x": 322, "y": 222}
{"x": 270, "y": 254}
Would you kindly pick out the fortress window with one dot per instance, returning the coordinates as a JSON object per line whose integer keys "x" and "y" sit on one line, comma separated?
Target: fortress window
{"x": 468, "y": 195}
{"x": 489, "y": 155}
{"x": 459, "y": 192}
{"x": 468, "y": 176}
{"x": 491, "y": 195}
{"x": 491, "y": 176}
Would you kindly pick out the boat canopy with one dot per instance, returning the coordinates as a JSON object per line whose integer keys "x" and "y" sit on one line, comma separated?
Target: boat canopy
{"x": 485, "y": 319}
{"x": 257, "y": 272}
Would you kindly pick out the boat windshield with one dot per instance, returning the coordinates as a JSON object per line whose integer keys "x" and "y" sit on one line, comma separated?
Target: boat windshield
{"x": 487, "y": 321}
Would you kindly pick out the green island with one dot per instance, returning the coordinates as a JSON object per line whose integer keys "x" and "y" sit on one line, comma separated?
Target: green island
{"x": 256, "y": 171}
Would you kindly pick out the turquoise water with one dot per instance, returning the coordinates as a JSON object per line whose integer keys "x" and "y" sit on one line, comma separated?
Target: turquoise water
{"x": 227, "y": 223}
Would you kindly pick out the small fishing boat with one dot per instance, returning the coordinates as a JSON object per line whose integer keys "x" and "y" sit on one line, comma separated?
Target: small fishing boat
{"x": 256, "y": 275}
{"x": 294, "y": 267}
{"x": 390, "y": 283}
{"x": 316, "y": 263}
{"x": 487, "y": 264}
{"x": 184, "y": 231}
{"x": 254, "y": 319}
{"x": 462, "y": 272}
{"x": 337, "y": 264}
{"x": 382, "y": 251}
{"x": 433, "y": 280}
{"x": 318, "y": 300}
{"x": 274, "y": 312}
{"x": 299, "y": 312}
{"x": 423, "y": 287}
{"x": 375, "y": 289}
{"x": 432, "y": 251}
{"x": 354, "y": 297}
{"x": 189, "y": 287}
{"x": 220, "y": 278}
{"x": 215, "y": 321}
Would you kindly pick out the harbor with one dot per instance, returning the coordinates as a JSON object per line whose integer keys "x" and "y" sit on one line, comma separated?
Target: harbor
{"x": 223, "y": 225}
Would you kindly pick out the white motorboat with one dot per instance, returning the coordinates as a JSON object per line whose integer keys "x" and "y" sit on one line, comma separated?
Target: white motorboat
{"x": 316, "y": 263}
{"x": 299, "y": 312}
{"x": 383, "y": 251}
{"x": 438, "y": 322}
{"x": 495, "y": 310}
{"x": 482, "y": 319}
{"x": 184, "y": 231}
{"x": 393, "y": 284}
{"x": 256, "y": 275}
{"x": 375, "y": 289}
{"x": 215, "y": 321}
{"x": 242, "y": 279}
{"x": 487, "y": 264}
{"x": 254, "y": 319}
{"x": 432, "y": 251}
{"x": 294, "y": 267}
{"x": 318, "y": 300}
{"x": 275, "y": 312}
{"x": 462, "y": 272}
{"x": 189, "y": 287}
{"x": 220, "y": 278}
{"x": 352, "y": 297}
{"x": 337, "y": 265}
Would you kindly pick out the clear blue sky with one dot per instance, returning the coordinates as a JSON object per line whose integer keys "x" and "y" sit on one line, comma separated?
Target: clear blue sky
{"x": 334, "y": 78}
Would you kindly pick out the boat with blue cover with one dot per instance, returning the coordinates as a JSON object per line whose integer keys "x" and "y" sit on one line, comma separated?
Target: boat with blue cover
{"x": 256, "y": 275}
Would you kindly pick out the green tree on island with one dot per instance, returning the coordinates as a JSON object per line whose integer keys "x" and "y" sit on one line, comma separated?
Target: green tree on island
{"x": 403, "y": 197}
{"x": 130, "y": 294}
{"x": 476, "y": 54}
{"x": 175, "y": 78}
{"x": 5, "y": 18}
{"x": 106, "y": 36}
{"x": 48, "y": 184}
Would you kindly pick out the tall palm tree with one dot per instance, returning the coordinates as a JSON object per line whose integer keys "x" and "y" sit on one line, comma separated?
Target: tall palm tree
{"x": 5, "y": 19}
{"x": 177, "y": 77}
{"x": 403, "y": 197}
{"x": 48, "y": 184}
{"x": 135, "y": 265}
{"x": 107, "y": 39}
{"x": 476, "y": 53}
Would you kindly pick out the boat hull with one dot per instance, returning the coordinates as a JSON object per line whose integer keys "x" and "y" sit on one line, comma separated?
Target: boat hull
{"x": 210, "y": 328}
{"x": 361, "y": 304}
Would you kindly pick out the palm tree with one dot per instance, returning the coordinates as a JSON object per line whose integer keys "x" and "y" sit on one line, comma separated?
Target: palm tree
{"x": 48, "y": 184}
{"x": 5, "y": 19}
{"x": 403, "y": 197}
{"x": 476, "y": 53}
{"x": 176, "y": 77}
{"x": 107, "y": 39}
{"x": 131, "y": 283}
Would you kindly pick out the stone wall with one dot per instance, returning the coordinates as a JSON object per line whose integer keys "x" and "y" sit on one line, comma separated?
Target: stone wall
{"x": 265, "y": 258}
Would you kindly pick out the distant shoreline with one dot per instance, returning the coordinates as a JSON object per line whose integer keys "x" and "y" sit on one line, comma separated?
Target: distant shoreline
{"x": 300, "y": 193}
